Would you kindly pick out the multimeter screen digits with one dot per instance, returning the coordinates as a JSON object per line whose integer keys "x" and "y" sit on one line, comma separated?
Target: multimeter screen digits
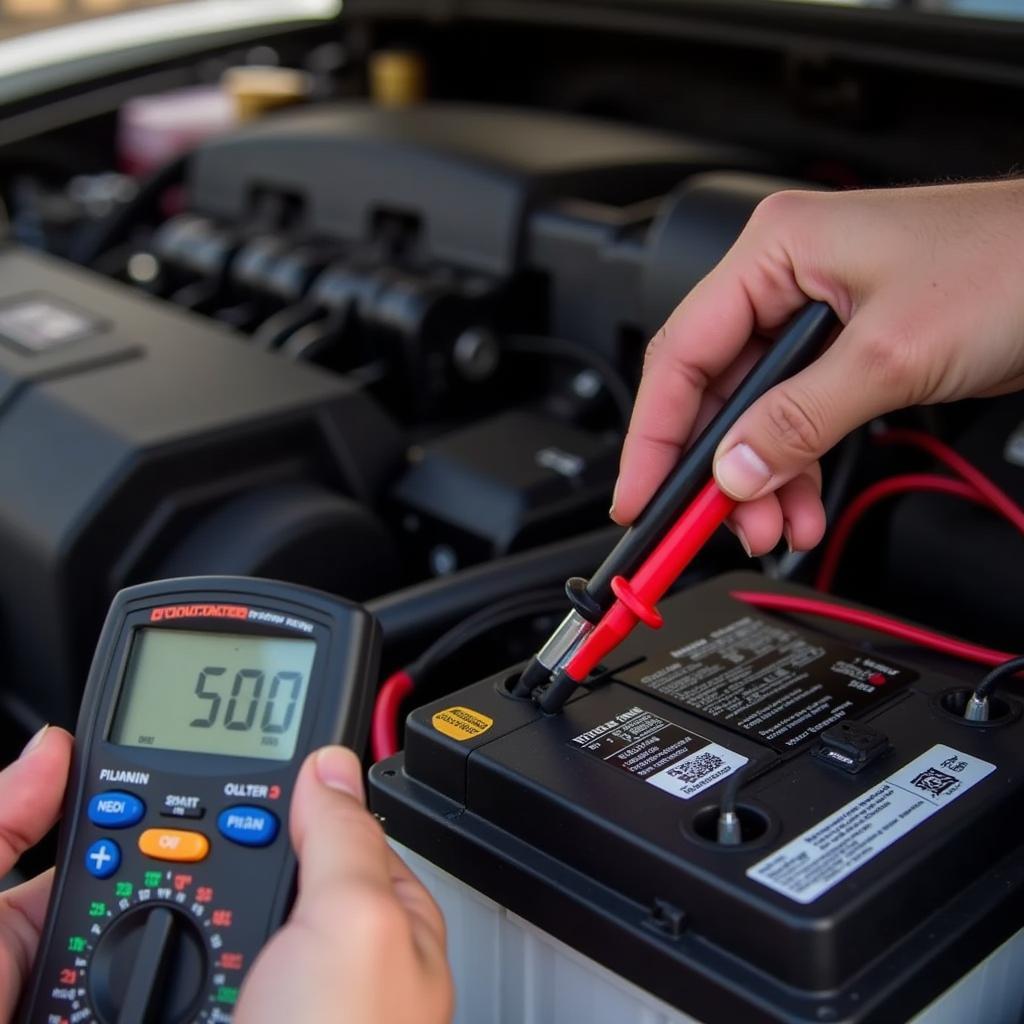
{"x": 214, "y": 693}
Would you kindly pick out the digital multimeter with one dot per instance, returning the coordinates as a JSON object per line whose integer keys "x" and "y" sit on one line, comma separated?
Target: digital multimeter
{"x": 174, "y": 865}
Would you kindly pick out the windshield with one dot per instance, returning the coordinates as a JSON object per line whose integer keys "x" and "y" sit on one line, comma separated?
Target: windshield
{"x": 19, "y": 17}
{"x": 974, "y": 8}
{"x": 150, "y": 19}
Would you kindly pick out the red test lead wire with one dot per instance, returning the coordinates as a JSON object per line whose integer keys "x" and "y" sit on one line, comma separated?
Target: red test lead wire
{"x": 872, "y": 620}
{"x": 993, "y": 494}
{"x": 912, "y": 483}
{"x": 636, "y": 598}
{"x": 384, "y": 726}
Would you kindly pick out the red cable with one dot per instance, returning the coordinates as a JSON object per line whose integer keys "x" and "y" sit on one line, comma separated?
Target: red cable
{"x": 991, "y": 491}
{"x": 384, "y": 725}
{"x": 979, "y": 488}
{"x": 870, "y": 497}
{"x": 872, "y": 620}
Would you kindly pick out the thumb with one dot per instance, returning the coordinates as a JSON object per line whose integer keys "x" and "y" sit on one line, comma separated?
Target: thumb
{"x": 339, "y": 844}
{"x": 861, "y": 376}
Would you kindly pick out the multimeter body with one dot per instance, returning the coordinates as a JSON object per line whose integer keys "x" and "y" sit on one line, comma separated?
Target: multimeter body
{"x": 174, "y": 864}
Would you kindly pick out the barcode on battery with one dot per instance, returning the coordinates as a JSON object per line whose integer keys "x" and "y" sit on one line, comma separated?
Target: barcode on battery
{"x": 696, "y": 768}
{"x": 705, "y": 767}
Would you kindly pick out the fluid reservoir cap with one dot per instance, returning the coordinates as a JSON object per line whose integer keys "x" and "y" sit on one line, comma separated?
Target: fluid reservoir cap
{"x": 258, "y": 90}
{"x": 398, "y": 78}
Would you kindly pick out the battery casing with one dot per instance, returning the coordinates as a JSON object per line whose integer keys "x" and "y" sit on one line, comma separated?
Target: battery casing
{"x": 862, "y": 896}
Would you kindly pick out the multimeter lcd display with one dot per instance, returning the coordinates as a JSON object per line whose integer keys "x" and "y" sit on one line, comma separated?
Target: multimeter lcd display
{"x": 214, "y": 693}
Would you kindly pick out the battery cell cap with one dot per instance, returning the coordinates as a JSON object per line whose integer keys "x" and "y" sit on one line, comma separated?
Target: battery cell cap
{"x": 174, "y": 844}
{"x": 851, "y": 746}
{"x": 115, "y": 809}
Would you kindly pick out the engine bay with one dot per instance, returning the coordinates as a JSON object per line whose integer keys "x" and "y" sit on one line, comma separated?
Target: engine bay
{"x": 388, "y": 348}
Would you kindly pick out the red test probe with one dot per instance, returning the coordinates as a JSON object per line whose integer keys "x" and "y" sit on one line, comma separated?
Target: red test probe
{"x": 663, "y": 541}
{"x": 636, "y": 598}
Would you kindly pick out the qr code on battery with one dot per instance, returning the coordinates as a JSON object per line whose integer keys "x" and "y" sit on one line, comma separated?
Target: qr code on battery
{"x": 931, "y": 780}
{"x": 697, "y": 768}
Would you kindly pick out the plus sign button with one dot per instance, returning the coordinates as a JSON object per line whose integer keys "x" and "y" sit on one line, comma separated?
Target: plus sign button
{"x": 103, "y": 858}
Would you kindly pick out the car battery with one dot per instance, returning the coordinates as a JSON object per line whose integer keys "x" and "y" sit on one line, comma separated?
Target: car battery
{"x": 879, "y": 872}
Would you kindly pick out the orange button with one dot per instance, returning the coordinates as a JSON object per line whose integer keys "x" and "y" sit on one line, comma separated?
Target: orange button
{"x": 174, "y": 844}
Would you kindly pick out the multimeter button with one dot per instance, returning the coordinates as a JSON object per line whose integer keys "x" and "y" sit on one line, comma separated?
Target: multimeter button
{"x": 250, "y": 826}
{"x": 183, "y": 812}
{"x": 103, "y": 858}
{"x": 174, "y": 844}
{"x": 115, "y": 809}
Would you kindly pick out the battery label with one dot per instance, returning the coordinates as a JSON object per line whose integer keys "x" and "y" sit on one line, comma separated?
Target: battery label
{"x": 676, "y": 760}
{"x": 769, "y": 681}
{"x": 832, "y": 850}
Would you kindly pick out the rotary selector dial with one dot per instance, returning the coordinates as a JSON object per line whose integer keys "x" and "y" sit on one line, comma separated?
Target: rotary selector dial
{"x": 149, "y": 965}
{"x": 153, "y": 955}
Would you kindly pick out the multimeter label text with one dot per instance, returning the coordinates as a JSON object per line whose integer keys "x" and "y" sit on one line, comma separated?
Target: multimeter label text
{"x": 123, "y": 775}
{"x": 171, "y": 612}
{"x": 252, "y": 790}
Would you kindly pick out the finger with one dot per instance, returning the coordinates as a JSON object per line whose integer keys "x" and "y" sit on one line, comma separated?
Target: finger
{"x": 429, "y": 927}
{"x": 645, "y": 463}
{"x": 755, "y": 287}
{"x": 30, "y": 900}
{"x": 338, "y": 843}
{"x": 758, "y": 525}
{"x": 31, "y": 792}
{"x": 864, "y": 374}
{"x": 22, "y": 910}
{"x": 724, "y": 385}
{"x": 802, "y": 512}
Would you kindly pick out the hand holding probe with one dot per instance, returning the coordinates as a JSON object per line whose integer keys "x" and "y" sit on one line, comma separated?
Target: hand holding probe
{"x": 678, "y": 520}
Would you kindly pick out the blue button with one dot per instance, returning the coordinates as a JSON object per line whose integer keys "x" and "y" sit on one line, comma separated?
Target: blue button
{"x": 115, "y": 809}
{"x": 103, "y": 858}
{"x": 250, "y": 826}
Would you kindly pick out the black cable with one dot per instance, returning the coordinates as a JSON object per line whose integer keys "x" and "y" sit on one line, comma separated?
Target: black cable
{"x": 424, "y": 609}
{"x": 987, "y": 687}
{"x": 542, "y": 345}
{"x": 834, "y": 497}
{"x": 520, "y": 606}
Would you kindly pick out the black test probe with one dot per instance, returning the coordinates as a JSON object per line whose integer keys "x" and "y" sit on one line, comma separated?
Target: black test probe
{"x": 683, "y": 512}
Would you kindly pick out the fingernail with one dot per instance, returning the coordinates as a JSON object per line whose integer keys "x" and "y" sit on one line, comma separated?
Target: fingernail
{"x": 35, "y": 741}
{"x": 615, "y": 494}
{"x": 338, "y": 769}
{"x": 788, "y": 534}
{"x": 741, "y": 472}
{"x": 743, "y": 540}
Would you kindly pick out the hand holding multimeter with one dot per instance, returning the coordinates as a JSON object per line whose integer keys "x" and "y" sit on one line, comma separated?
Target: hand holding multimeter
{"x": 174, "y": 865}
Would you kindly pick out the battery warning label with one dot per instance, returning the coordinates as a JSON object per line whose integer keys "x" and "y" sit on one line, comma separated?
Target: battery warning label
{"x": 832, "y": 850}
{"x": 461, "y": 723}
{"x": 768, "y": 681}
{"x": 676, "y": 760}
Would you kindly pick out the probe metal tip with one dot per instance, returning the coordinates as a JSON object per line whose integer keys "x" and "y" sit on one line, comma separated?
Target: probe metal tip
{"x": 730, "y": 832}
{"x": 977, "y": 709}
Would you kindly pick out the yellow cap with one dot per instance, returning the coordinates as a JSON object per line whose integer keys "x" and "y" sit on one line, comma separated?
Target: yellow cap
{"x": 258, "y": 90}
{"x": 398, "y": 78}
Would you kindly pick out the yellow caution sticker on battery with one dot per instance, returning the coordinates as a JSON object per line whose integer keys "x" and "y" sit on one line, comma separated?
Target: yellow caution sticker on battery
{"x": 461, "y": 723}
